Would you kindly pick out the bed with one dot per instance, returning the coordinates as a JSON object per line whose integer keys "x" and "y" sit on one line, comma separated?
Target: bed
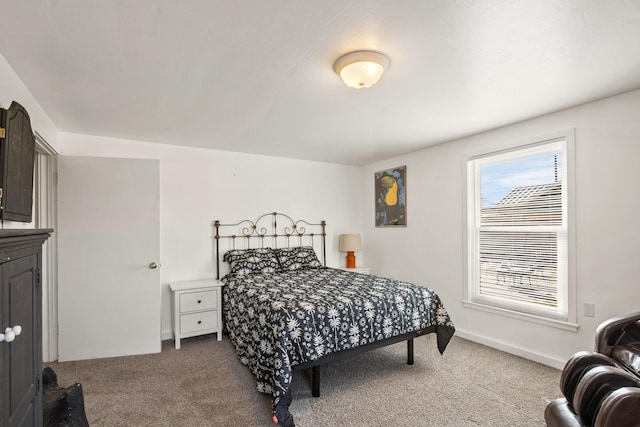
{"x": 284, "y": 309}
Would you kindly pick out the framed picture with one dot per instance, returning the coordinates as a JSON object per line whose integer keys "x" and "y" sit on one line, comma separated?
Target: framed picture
{"x": 391, "y": 197}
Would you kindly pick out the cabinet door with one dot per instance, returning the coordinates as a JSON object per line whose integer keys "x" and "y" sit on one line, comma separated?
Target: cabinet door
{"x": 21, "y": 359}
{"x": 17, "y": 151}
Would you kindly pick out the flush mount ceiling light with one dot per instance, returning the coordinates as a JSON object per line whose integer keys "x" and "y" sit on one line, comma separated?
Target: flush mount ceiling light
{"x": 362, "y": 68}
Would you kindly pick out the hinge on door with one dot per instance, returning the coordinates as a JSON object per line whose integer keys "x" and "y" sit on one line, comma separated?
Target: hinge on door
{"x": 38, "y": 384}
{"x": 2, "y": 133}
{"x": 37, "y": 278}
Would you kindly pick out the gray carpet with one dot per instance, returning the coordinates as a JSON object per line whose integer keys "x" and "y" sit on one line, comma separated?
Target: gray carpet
{"x": 204, "y": 384}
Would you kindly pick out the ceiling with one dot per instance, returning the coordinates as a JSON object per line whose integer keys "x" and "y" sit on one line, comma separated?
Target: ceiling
{"x": 257, "y": 76}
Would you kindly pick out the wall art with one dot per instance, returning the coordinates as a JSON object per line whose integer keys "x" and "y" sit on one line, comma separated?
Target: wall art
{"x": 391, "y": 197}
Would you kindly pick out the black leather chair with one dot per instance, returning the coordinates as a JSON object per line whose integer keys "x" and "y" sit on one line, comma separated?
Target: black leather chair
{"x": 602, "y": 388}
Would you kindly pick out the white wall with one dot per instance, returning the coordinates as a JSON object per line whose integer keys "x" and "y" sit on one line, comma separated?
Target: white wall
{"x": 430, "y": 250}
{"x": 198, "y": 186}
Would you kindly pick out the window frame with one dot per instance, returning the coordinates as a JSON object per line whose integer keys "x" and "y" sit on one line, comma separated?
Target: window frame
{"x": 564, "y": 318}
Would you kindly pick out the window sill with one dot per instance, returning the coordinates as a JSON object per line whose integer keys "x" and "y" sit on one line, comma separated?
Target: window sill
{"x": 573, "y": 327}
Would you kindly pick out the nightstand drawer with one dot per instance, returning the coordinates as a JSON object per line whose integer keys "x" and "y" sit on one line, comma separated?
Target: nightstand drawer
{"x": 198, "y": 321}
{"x": 202, "y": 300}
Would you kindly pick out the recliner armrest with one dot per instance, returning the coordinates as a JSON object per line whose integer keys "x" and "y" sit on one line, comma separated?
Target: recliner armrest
{"x": 609, "y": 329}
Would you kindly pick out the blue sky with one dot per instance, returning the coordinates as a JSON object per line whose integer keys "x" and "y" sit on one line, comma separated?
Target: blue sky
{"x": 499, "y": 178}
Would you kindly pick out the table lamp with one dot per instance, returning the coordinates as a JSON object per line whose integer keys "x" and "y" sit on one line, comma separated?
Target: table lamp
{"x": 350, "y": 243}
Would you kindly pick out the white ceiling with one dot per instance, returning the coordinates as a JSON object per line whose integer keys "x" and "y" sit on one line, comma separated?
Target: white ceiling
{"x": 257, "y": 76}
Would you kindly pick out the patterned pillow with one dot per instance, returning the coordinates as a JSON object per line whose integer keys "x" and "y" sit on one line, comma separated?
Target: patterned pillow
{"x": 297, "y": 258}
{"x": 247, "y": 261}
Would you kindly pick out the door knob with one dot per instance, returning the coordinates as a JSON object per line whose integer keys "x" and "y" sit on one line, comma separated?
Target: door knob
{"x": 10, "y": 334}
{"x": 153, "y": 266}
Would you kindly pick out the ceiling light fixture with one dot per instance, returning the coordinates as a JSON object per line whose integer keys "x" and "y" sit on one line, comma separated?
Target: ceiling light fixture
{"x": 362, "y": 68}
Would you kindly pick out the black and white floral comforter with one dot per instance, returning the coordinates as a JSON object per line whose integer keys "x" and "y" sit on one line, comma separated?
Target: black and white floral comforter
{"x": 282, "y": 319}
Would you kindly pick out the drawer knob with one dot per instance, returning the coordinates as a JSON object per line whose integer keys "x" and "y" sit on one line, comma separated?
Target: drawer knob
{"x": 199, "y": 301}
{"x": 199, "y": 322}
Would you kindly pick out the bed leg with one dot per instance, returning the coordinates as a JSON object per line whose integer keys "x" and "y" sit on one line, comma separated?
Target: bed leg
{"x": 315, "y": 381}
{"x": 410, "y": 351}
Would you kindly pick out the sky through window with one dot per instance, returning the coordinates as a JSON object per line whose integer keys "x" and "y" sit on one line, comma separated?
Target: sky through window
{"x": 499, "y": 178}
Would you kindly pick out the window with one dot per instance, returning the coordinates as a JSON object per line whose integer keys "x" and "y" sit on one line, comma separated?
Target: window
{"x": 517, "y": 229}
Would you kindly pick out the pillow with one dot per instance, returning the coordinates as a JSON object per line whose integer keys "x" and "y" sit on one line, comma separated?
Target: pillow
{"x": 247, "y": 261}
{"x": 297, "y": 258}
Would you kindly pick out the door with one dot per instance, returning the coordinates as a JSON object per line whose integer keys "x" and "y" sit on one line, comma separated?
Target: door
{"x": 16, "y": 160}
{"x": 21, "y": 367}
{"x": 108, "y": 243}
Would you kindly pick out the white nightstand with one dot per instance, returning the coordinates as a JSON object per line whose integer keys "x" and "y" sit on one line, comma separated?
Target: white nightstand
{"x": 361, "y": 270}
{"x": 197, "y": 308}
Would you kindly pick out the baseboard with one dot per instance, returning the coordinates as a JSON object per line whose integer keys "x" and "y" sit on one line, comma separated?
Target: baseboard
{"x": 517, "y": 351}
{"x": 167, "y": 335}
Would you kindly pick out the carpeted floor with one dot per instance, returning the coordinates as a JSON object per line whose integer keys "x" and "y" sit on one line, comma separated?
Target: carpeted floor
{"x": 204, "y": 384}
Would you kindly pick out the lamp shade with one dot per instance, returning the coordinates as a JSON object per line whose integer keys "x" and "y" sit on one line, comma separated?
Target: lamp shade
{"x": 362, "y": 68}
{"x": 350, "y": 243}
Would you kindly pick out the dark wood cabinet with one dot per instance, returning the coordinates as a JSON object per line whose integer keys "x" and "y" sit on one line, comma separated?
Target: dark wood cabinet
{"x": 21, "y": 305}
{"x": 17, "y": 155}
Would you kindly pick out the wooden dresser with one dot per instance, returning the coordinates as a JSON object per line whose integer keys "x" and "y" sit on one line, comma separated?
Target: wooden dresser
{"x": 21, "y": 326}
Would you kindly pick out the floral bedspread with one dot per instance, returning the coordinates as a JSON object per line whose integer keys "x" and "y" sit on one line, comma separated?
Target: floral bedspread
{"x": 279, "y": 320}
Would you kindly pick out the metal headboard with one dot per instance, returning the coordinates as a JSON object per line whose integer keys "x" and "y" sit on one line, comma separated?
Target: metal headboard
{"x": 271, "y": 230}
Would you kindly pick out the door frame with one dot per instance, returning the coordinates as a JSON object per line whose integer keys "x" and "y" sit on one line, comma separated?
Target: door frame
{"x": 45, "y": 216}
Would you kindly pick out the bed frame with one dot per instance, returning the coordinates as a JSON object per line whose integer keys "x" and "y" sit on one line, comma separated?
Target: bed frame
{"x": 276, "y": 230}
{"x": 271, "y": 230}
